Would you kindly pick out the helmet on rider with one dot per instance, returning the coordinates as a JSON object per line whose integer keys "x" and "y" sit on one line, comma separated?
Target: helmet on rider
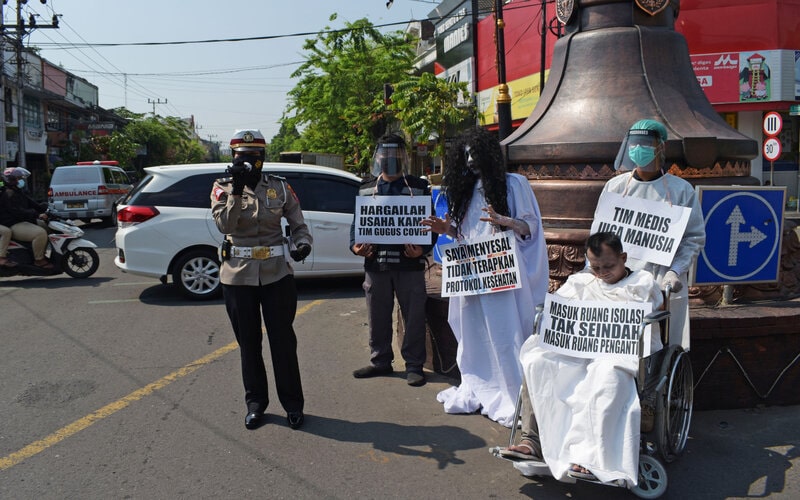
{"x": 643, "y": 147}
{"x": 391, "y": 157}
{"x": 15, "y": 176}
{"x": 249, "y": 145}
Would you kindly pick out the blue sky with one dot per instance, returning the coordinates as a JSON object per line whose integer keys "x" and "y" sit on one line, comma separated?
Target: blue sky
{"x": 218, "y": 83}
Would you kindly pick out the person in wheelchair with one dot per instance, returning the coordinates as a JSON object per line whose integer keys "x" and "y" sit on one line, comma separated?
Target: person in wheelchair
{"x": 587, "y": 410}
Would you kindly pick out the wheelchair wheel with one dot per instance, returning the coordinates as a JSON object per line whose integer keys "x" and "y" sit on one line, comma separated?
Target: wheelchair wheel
{"x": 674, "y": 407}
{"x": 652, "y": 478}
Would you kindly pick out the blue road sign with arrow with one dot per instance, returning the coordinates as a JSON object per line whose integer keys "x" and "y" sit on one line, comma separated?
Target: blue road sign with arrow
{"x": 743, "y": 234}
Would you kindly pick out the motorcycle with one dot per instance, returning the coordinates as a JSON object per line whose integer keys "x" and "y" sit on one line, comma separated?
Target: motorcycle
{"x": 66, "y": 250}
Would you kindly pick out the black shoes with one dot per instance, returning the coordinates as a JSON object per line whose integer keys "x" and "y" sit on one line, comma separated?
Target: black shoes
{"x": 372, "y": 371}
{"x": 254, "y": 419}
{"x": 415, "y": 379}
{"x": 295, "y": 419}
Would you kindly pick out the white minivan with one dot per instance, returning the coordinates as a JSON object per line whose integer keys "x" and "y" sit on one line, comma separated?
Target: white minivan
{"x": 88, "y": 190}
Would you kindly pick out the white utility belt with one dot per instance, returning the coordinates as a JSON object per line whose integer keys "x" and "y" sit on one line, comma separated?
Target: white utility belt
{"x": 259, "y": 253}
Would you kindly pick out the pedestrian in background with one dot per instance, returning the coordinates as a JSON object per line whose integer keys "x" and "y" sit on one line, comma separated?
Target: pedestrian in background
{"x": 482, "y": 199}
{"x": 256, "y": 277}
{"x": 394, "y": 270}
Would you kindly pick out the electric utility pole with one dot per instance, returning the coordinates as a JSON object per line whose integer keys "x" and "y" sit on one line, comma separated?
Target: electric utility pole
{"x": 157, "y": 101}
{"x": 22, "y": 29}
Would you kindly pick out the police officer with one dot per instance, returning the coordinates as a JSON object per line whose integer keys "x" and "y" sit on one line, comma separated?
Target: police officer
{"x": 256, "y": 276}
{"x": 394, "y": 270}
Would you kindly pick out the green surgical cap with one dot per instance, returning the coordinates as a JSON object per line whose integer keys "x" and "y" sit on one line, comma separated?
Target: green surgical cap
{"x": 651, "y": 125}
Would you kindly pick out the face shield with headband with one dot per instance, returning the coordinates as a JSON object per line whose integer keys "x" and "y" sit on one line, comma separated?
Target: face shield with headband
{"x": 640, "y": 149}
{"x": 390, "y": 159}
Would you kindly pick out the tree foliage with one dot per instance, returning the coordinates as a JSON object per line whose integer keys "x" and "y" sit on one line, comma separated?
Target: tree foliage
{"x": 287, "y": 139}
{"x": 164, "y": 140}
{"x": 427, "y": 106}
{"x": 338, "y": 103}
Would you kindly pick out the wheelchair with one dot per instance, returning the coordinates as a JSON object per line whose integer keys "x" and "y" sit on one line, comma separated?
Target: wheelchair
{"x": 665, "y": 386}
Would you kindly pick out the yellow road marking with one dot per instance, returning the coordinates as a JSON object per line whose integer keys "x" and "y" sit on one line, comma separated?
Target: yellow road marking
{"x": 69, "y": 430}
{"x": 113, "y": 301}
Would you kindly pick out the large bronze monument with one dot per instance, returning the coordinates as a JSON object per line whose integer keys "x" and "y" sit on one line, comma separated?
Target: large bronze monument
{"x": 621, "y": 61}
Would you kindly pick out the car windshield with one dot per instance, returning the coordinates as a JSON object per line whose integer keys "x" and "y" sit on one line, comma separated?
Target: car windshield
{"x": 133, "y": 192}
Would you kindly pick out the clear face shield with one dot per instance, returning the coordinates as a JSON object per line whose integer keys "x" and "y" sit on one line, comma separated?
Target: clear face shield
{"x": 390, "y": 159}
{"x": 640, "y": 149}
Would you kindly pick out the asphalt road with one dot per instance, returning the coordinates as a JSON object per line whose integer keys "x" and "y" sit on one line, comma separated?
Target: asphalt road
{"x": 117, "y": 387}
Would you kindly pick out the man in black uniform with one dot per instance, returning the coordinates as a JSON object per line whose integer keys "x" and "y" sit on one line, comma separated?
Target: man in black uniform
{"x": 394, "y": 270}
{"x": 256, "y": 276}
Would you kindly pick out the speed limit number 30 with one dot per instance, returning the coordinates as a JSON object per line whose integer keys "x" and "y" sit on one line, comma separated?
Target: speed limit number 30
{"x": 772, "y": 149}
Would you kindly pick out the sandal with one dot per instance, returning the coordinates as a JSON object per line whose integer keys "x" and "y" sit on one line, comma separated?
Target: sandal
{"x": 579, "y": 472}
{"x": 8, "y": 263}
{"x": 47, "y": 265}
{"x": 522, "y": 452}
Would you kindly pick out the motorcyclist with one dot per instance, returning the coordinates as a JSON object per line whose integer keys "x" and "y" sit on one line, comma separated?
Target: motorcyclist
{"x": 23, "y": 215}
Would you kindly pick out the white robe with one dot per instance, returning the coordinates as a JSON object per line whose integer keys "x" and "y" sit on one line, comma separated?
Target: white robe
{"x": 674, "y": 190}
{"x": 491, "y": 328}
{"x": 588, "y": 410}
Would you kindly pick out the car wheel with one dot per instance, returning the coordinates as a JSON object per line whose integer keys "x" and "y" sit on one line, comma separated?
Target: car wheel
{"x": 196, "y": 274}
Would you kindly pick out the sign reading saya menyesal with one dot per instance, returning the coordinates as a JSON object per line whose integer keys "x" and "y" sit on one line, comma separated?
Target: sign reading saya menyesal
{"x": 592, "y": 329}
{"x": 650, "y": 230}
{"x": 482, "y": 265}
{"x": 392, "y": 219}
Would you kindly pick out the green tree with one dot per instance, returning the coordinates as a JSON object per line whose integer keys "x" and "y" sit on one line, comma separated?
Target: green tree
{"x": 166, "y": 141}
{"x": 427, "y": 106}
{"x": 338, "y": 103}
{"x": 287, "y": 139}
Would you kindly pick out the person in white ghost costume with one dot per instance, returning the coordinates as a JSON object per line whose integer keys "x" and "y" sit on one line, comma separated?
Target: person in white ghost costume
{"x": 584, "y": 416}
{"x": 491, "y": 328}
{"x": 642, "y": 153}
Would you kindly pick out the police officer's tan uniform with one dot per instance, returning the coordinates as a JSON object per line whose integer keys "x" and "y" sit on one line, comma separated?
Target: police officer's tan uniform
{"x": 257, "y": 277}
{"x": 255, "y": 220}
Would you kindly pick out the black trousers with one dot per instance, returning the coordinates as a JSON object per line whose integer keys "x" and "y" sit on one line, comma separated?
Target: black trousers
{"x": 278, "y": 304}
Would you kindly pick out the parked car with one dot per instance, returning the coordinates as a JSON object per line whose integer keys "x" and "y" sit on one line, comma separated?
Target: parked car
{"x": 165, "y": 228}
{"x": 88, "y": 190}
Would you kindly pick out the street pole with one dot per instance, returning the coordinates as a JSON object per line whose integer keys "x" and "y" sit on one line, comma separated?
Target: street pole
{"x": 157, "y": 101}
{"x": 20, "y": 89}
{"x": 3, "y": 145}
{"x": 503, "y": 96}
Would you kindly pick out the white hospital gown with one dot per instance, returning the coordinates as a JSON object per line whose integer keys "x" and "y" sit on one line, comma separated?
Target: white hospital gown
{"x": 588, "y": 410}
{"x": 491, "y": 328}
{"x": 669, "y": 189}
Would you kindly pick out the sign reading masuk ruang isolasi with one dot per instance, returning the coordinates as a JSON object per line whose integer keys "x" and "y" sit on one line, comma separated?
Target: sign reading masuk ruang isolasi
{"x": 650, "y": 230}
{"x": 484, "y": 265}
{"x": 592, "y": 329}
{"x": 392, "y": 219}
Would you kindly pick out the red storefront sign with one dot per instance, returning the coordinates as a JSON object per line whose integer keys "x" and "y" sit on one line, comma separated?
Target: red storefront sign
{"x": 718, "y": 75}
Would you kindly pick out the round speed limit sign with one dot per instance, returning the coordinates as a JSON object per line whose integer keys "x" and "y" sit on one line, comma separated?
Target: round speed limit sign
{"x": 772, "y": 149}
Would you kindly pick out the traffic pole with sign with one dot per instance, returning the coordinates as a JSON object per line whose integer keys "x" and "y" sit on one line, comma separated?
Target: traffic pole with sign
{"x": 773, "y": 124}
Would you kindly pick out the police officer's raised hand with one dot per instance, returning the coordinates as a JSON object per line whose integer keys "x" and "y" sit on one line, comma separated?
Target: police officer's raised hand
{"x": 238, "y": 184}
{"x": 301, "y": 252}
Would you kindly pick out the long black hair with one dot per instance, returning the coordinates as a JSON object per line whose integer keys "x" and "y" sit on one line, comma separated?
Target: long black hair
{"x": 458, "y": 180}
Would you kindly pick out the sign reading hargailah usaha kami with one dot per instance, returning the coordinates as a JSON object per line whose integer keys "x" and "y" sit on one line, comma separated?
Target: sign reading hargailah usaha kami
{"x": 592, "y": 328}
{"x": 650, "y": 230}
{"x": 485, "y": 265}
{"x": 392, "y": 219}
